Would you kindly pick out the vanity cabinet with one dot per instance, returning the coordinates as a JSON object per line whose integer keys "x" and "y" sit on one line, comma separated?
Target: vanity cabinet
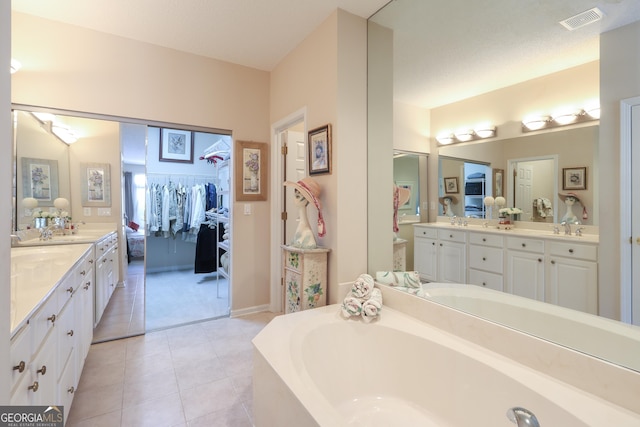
{"x": 106, "y": 272}
{"x": 573, "y": 276}
{"x": 49, "y": 347}
{"x": 440, "y": 255}
{"x": 525, "y": 267}
{"x": 553, "y": 269}
{"x": 486, "y": 260}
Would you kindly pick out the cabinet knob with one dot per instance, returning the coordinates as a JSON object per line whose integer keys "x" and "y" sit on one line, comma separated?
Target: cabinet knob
{"x": 570, "y": 251}
{"x": 71, "y": 390}
{"x": 484, "y": 284}
{"x": 42, "y": 370}
{"x": 451, "y": 236}
{"x": 34, "y": 387}
{"x": 70, "y": 289}
{"x": 104, "y": 260}
{"x": 82, "y": 273}
{"x": 524, "y": 245}
{"x": 52, "y": 318}
{"x": 440, "y": 244}
{"x": 539, "y": 259}
{"x": 553, "y": 262}
{"x": 433, "y": 243}
{"x": 484, "y": 258}
{"x": 20, "y": 366}
{"x": 90, "y": 261}
{"x": 70, "y": 333}
{"x": 484, "y": 239}
{"x": 86, "y": 285}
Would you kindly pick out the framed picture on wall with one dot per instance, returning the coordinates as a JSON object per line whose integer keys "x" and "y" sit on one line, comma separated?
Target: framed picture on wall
{"x": 40, "y": 180}
{"x": 498, "y": 183}
{"x": 574, "y": 178}
{"x": 319, "y": 147}
{"x": 176, "y": 145}
{"x": 451, "y": 185}
{"x": 251, "y": 165}
{"x": 96, "y": 184}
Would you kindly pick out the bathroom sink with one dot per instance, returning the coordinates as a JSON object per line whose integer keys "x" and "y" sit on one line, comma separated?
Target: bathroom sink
{"x": 34, "y": 256}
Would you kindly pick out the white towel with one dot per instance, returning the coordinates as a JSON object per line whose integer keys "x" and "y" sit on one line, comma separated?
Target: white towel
{"x": 409, "y": 279}
{"x": 371, "y": 307}
{"x": 363, "y": 286}
{"x": 351, "y": 306}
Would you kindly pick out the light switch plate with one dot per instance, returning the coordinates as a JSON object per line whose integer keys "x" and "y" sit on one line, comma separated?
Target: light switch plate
{"x": 247, "y": 208}
{"x": 86, "y": 211}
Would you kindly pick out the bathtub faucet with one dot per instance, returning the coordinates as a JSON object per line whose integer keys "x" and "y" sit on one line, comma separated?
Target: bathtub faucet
{"x": 522, "y": 417}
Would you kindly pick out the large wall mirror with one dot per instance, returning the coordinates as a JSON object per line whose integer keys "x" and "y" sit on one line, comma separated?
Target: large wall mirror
{"x": 421, "y": 63}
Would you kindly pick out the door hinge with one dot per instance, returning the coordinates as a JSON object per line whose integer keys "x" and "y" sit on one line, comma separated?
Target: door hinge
{"x": 284, "y": 150}
{"x": 283, "y": 216}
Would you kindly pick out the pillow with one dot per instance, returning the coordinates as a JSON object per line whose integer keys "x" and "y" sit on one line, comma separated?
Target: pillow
{"x": 129, "y": 230}
{"x": 133, "y": 225}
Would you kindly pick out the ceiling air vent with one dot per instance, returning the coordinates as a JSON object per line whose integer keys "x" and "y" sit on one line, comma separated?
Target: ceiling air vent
{"x": 585, "y": 18}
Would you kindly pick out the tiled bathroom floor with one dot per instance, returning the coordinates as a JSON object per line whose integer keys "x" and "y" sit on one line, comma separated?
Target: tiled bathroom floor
{"x": 194, "y": 375}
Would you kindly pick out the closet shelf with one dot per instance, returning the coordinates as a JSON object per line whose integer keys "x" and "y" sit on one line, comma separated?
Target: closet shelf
{"x": 222, "y": 272}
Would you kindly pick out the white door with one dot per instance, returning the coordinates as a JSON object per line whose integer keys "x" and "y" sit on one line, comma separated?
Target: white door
{"x": 524, "y": 186}
{"x": 294, "y": 171}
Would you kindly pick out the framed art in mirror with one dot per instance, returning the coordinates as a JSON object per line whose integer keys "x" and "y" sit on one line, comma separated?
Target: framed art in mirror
{"x": 498, "y": 183}
{"x": 40, "y": 180}
{"x": 451, "y": 185}
{"x": 319, "y": 147}
{"x": 96, "y": 185}
{"x": 251, "y": 165}
{"x": 574, "y": 178}
{"x": 176, "y": 145}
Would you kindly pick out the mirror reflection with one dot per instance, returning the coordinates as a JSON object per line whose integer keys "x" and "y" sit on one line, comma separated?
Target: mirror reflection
{"x": 416, "y": 75}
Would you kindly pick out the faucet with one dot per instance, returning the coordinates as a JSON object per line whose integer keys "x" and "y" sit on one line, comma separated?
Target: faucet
{"x": 522, "y": 417}
{"x": 579, "y": 231}
{"x": 556, "y": 229}
{"x": 452, "y": 220}
{"x": 567, "y": 227}
{"x": 47, "y": 232}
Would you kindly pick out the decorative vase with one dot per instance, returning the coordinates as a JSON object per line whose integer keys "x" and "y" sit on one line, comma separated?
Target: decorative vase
{"x": 40, "y": 222}
{"x": 253, "y": 186}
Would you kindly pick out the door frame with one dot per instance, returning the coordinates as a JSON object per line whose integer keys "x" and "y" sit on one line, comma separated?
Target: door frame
{"x": 629, "y": 293}
{"x": 511, "y": 185}
{"x": 277, "y": 201}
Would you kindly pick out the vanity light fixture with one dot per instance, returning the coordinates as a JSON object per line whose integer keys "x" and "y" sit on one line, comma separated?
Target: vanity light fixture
{"x": 593, "y": 112}
{"x": 562, "y": 118}
{"x": 64, "y": 133}
{"x": 535, "y": 123}
{"x": 566, "y": 118}
{"x": 466, "y": 135}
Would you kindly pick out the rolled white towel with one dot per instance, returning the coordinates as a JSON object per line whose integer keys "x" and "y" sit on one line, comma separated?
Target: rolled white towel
{"x": 363, "y": 286}
{"x": 351, "y": 306}
{"x": 409, "y": 279}
{"x": 371, "y": 307}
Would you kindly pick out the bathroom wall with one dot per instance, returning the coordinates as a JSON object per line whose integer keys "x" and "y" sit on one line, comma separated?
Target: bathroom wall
{"x": 76, "y": 69}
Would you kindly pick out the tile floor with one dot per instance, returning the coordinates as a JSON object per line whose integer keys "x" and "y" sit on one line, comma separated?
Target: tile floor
{"x": 194, "y": 375}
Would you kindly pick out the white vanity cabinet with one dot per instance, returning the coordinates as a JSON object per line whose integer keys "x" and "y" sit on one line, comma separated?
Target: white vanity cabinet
{"x": 425, "y": 253}
{"x": 572, "y": 279}
{"x": 525, "y": 267}
{"x": 49, "y": 345}
{"x": 486, "y": 260}
{"x": 440, "y": 254}
{"x": 106, "y": 272}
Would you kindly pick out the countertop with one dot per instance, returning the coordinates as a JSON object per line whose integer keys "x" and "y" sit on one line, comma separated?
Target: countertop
{"x": 37, "y": 268}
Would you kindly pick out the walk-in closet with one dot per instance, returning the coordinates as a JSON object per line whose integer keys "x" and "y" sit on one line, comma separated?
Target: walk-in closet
{"x": 186, "y": 226}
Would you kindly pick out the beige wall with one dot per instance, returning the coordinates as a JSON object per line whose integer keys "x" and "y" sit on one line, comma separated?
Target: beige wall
{"x": 75, "y": 69}
{"x": 619, "y": 79}
{"x": 329, "y": 79}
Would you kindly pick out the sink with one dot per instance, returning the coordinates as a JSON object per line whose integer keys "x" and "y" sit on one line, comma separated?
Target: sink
{"x": 38, "y": 255}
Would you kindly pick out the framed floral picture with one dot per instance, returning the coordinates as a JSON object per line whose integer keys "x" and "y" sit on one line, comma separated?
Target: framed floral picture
{"x": 96, "y": 184}
{"x": 40, "y": 180}
{"x": 319, "y": 150}
{"x": 451, "y": 185}
{"x": 574, "y": 178}
{"x": 176, "y": 145}
{"x": 251, "y": 166}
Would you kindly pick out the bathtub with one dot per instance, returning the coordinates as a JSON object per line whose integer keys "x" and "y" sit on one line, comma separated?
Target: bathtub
{"x": 315, "y": 368}
{"x": 610, "y": 340}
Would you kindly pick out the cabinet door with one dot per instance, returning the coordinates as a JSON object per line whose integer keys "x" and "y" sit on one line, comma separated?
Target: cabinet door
{"x": 425, "y": 258}
{"x": 85, "y": 316}
{"x": 525, "y": 274}
{"x": 573, "y": 284}
{"x": 452, "y": 264}
{"x": 100, "y": 291}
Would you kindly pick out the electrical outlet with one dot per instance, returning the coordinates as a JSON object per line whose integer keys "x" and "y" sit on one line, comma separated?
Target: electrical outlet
{"x": 86, "y": 211}
{"x": 104, "y": 211}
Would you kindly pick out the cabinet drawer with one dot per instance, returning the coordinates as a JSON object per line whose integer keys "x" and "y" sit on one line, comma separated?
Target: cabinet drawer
{"x": 431, "y": 233}
{"x": 20, "y": 354}
{"x": 485, "y": 279}
{"x": 525, "y": 244}
{"x": 573, "y": 250}
{"x": 65, "y": 290}
{"x": 452, "y": 235}
{"x": 486, "y": 239}
{"x": 43, "y": 320}
{"x": 66, "y": 336}
{"x": 485, "y": 258}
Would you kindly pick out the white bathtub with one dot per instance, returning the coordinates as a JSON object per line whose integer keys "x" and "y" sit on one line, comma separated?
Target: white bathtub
{"x": 315, "y": 368}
